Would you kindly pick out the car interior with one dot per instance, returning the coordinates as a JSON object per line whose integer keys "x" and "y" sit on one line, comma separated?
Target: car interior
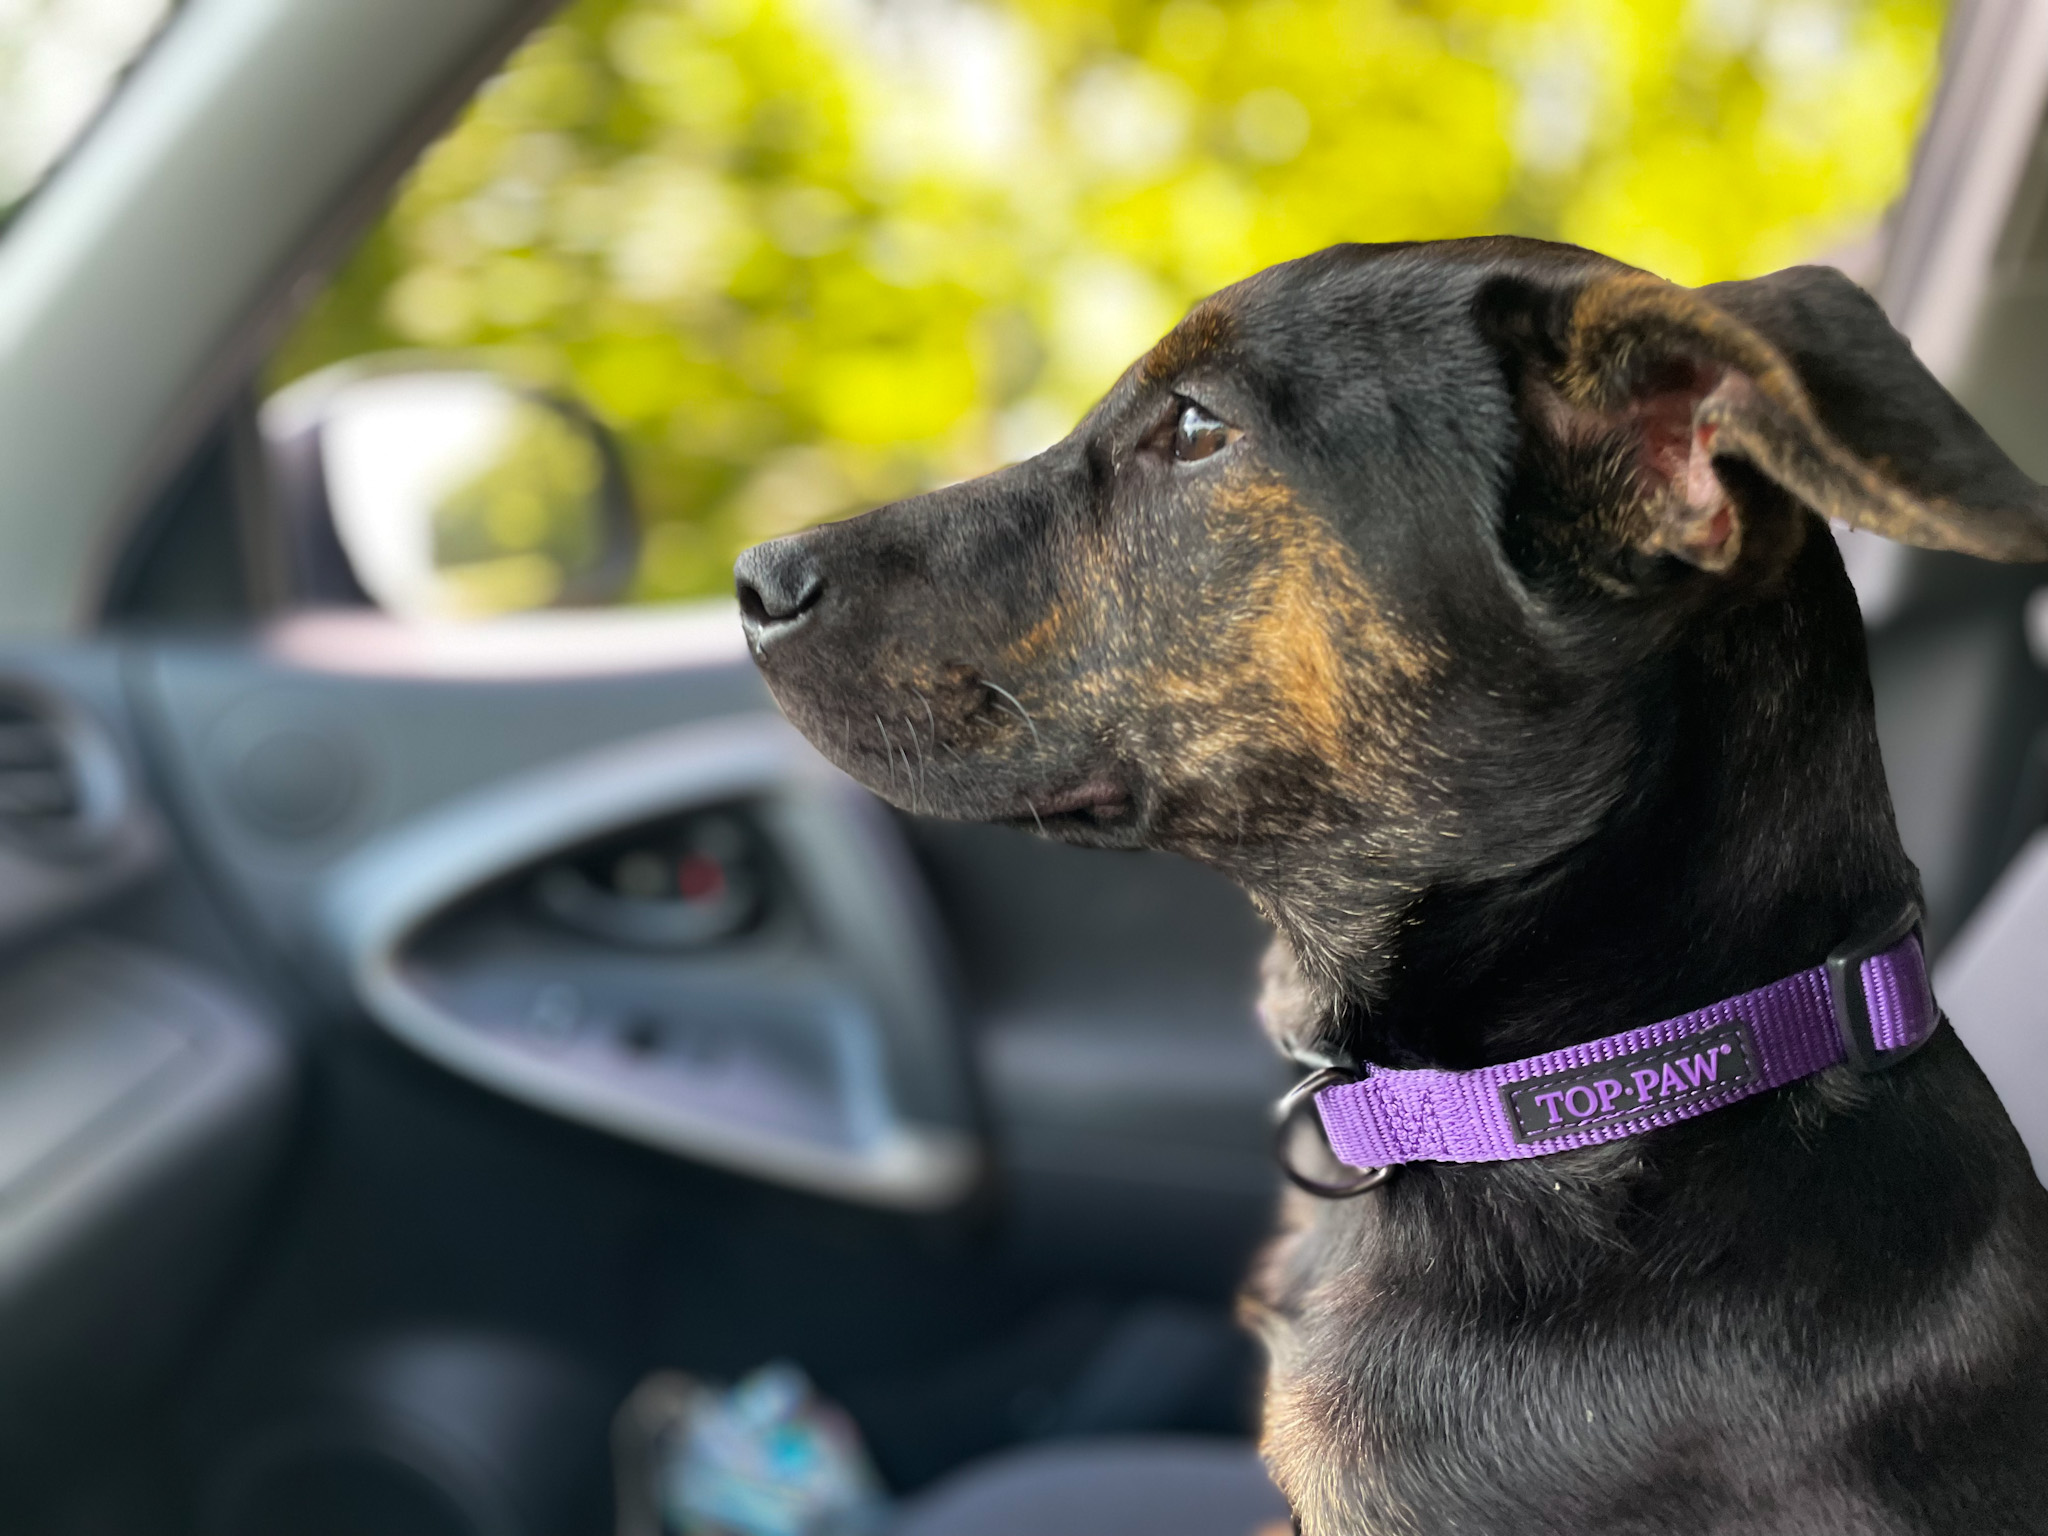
{"x": 416, "y": 1034}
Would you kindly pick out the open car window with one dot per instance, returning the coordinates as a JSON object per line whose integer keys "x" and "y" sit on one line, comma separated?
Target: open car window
{"x": 807, "y": 258}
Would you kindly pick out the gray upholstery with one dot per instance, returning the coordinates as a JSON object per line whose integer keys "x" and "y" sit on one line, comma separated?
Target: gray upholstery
{"x": 1993, "y": 983}
{"x": 1151, "y": 1486}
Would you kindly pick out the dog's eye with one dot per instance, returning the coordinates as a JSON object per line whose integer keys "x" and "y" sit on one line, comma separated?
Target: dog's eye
{"x": 1198, "y": 434}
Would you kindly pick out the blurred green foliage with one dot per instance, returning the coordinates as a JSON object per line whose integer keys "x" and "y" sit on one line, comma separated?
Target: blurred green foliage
{"x": 506, "y": 538}
{"x": 806, "y": 255}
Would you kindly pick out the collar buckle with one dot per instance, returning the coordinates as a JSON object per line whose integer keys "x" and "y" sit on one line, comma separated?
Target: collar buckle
{"x": 1851, "y": 1000}
{"x": 1350, "y": 1181}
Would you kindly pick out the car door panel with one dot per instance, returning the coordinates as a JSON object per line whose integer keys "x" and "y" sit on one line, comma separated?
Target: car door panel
{"x": 466, "y": 772}
{"x": 330, "y": 801}
{"x": 145, "y": 1094}
{"x": 144, "y": 1105}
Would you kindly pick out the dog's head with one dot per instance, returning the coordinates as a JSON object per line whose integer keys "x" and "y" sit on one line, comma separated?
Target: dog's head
{"x": 1349, "y": 584}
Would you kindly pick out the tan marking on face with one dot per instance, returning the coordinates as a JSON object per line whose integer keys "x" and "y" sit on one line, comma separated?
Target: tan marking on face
{"x": 1196, "y": 678}
{"x": 1316, "y": 594}
{"x": 1044, "y": 637}
{"x": 1206, "y": 327}
{"x": 1294, "y": 650}
{"x": 1303, "y": 657}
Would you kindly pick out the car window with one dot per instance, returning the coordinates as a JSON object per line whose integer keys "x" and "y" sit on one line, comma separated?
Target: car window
{"x": 803, "y": 256}
{"x": 60, "y": 63}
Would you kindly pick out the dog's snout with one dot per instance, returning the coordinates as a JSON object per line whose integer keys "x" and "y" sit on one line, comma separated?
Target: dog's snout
{"x": 779, "y": 582}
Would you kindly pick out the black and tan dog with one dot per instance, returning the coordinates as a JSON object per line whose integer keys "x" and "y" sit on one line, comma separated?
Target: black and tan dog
{"x": 1471, "y": 605}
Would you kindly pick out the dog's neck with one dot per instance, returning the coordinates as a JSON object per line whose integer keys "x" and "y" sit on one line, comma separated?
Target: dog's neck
{"x": 1755, "y": 836}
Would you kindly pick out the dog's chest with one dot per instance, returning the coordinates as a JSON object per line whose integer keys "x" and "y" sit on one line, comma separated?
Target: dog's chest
{"x": 1409, "y": 1392}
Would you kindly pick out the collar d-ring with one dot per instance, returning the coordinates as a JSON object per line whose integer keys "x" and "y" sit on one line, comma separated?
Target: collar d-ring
{"x": 1291, "y": 1102}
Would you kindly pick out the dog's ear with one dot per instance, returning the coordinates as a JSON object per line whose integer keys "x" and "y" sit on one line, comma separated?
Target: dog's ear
{"x": 1797, "y": 375}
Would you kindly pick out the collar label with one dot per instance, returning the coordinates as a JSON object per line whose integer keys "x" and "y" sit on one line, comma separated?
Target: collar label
{"x": 1701, "y": 1067}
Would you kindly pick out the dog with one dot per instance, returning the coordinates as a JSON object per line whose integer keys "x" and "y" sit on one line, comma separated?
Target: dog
{"x": 1472, "y": 605}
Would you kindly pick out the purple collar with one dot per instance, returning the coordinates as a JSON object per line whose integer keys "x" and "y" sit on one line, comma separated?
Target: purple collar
{"x": 1869, "y": 1004}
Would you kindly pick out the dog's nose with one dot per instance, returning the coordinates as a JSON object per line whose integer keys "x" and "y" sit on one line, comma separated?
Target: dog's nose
{"x": 778, "y": 584}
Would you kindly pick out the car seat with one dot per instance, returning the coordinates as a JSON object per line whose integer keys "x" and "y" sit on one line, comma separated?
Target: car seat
{"x": 1159, "y": 1485}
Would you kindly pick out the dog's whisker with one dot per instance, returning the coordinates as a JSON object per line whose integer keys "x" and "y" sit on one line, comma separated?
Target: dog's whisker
{"x": 888, "y": 749}
{"x": 909, "y": 773}
{"x": 910, "y": 731}
{"x": 1022, "y": 713}
{"x": 898, "y": 754}
{"x": 909, "y": 782}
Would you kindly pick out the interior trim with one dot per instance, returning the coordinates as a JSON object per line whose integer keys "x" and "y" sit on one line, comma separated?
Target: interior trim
{"x": 550, "y": 643}
{"x": 1972, "y": 158}
{"x": 1991, "y": 981}
{"x": 383, "y": 894}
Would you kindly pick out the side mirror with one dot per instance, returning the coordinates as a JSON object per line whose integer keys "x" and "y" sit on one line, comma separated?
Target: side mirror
{"x": 434, "y": 487}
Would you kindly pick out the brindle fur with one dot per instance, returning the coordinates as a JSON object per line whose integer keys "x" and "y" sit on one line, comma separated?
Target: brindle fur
{"x": 1503, "y": 658}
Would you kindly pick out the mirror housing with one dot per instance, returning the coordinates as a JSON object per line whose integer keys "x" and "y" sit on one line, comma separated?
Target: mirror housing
{"x": 436, "y": 487}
